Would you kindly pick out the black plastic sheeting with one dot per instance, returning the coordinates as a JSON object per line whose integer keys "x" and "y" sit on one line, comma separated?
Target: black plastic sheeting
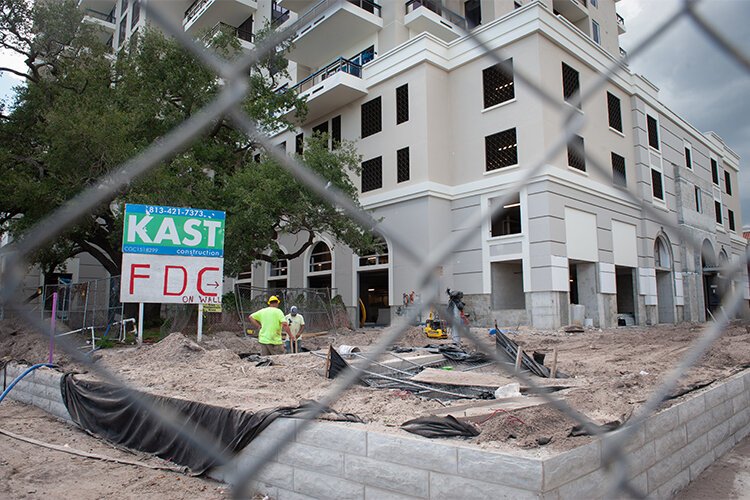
{"x": 440, "y": 427}
{"x": 111, "y": 413}
{"x": 506, "y": 346}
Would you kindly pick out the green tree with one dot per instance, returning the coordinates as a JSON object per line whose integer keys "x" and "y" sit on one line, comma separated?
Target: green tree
{"x": 83, "y": 111}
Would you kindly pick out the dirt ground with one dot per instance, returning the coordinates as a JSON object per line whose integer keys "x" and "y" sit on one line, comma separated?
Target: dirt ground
{"x": 612, "y": 372}
{"x": 30, "y": 471}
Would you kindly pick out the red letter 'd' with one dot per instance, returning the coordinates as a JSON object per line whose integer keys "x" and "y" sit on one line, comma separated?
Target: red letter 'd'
{"x": 200, "y": 282}
{"x": 166, "y": 280}
{"x": 133, "y": 274}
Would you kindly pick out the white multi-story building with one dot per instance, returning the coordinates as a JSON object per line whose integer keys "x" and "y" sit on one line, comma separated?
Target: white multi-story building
{"x": 443, "y": 133}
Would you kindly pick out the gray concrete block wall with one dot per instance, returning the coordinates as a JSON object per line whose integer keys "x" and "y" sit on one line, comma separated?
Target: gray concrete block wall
{"x": 334, "y": 460}
{"x": 40, "y": 388}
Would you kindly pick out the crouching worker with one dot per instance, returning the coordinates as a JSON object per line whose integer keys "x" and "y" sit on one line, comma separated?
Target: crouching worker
{"x": 270, "y": 321}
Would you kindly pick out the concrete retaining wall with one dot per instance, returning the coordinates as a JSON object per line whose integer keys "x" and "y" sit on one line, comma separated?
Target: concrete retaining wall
{"x": 336, "y": 460}
{"x": 40, "y": 388}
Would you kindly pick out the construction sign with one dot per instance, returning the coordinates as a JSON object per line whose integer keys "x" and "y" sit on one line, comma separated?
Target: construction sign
{"x": 172, "y": 255}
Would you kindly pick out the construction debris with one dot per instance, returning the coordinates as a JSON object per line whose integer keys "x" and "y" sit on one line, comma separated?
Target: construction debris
{"x": 440, "y": 427}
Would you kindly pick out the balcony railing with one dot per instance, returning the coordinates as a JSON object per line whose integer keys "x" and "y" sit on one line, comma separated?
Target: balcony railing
{"x": 194, "y": 8}
{"x": 321, "y": 6}
{"x": 245, "y": 35}
{"x": 620, "y": 20}
{"x": 436, "y": 7}
{"x": 339, "y": 65}
{"x": 279, "y": 15}
{"x": 110, "y": 18}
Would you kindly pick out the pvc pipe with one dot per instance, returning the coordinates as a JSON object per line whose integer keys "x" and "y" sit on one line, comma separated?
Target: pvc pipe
{"x": 18, "y": 378}
{"x": 52, "y": 327}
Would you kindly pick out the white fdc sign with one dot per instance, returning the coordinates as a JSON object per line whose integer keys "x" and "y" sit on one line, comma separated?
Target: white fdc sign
{"x": 166, "y": 279}
{"x": 172, "y": 255}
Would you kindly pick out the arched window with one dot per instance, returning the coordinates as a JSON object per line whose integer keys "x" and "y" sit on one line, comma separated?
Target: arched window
{"x": 320, "y": 258}
{"x": 378, "y": 257}
{"x": 661, "y": 254}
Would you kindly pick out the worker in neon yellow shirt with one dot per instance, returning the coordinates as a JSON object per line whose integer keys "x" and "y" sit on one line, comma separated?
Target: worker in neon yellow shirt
{"x": 270, "y": 320}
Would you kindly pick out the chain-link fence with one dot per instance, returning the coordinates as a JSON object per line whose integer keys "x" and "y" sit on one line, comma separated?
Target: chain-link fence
{"x": 320, "y": 307}
{"x": 227, "y": 105}
{"x": 91, "y": 310}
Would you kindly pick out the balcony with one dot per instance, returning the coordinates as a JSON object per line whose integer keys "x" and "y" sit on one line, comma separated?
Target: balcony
{"x": 620, "y": 25}
{"x": 332, "y": 25}
{"x": 297, "y": 6}
{"x": 430, "y": 16}
{"x": 572, "y": 10}
{"x": 204, "y": 14}
{"x": 245, "y": 37}
{"x": 331, "y": 87}
{"x": 102, "y": 19}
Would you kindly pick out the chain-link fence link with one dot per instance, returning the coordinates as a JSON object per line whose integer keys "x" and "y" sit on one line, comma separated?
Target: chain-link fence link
{"x": 227, "y": 104}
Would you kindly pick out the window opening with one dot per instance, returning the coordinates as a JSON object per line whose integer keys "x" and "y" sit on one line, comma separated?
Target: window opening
{"x": 498, "y": 85}
{"x": 320, "y": 258}
{"x": 714, "y": 172}
{"x": 657, "y": 187}
{"x": 372, "y": 120}
{"x": 576, "y": 155}
{"x": 508, "y": 221}
{"x": 619, "y": 177}
{"x": 571, "y": 85}
{"x": 501, "y": 150}
{"x": 402, "y": 104}
{"x": 372, "y": 174}
{"x": 653, "y": 132}
{"x": 614, "y": 111}
{"x": 402, "y": 165}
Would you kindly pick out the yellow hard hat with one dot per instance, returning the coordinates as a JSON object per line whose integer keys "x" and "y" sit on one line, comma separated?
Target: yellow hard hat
{"x": 273, "y": 298}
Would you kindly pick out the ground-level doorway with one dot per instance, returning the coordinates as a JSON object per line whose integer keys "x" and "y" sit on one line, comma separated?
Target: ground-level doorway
{"x": 626, "y": 294}
{"x": 373, "y": 294}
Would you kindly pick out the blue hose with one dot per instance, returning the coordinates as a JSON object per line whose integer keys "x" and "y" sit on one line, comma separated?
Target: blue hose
{"x": 18, "y": 378}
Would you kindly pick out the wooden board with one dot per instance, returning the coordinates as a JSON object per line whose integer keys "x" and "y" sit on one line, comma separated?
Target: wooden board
{"x": 481, "y": 410}
{"x": 473, "y": 379}
{"x": 450, "y": 377}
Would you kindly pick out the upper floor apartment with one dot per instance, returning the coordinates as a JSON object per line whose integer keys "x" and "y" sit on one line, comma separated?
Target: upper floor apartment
{"x": 336, "y": 39}
{"x": 120, "y": 19}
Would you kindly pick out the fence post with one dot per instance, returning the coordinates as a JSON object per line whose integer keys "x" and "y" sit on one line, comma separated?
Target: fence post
{"x": 200, "y": 322}
{"x": 140, "y": 323}
{"x": 52, "y": 327}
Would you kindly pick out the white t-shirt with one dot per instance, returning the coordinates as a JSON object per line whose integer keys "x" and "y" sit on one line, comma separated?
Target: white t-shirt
{"x": 296, "y": 322}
